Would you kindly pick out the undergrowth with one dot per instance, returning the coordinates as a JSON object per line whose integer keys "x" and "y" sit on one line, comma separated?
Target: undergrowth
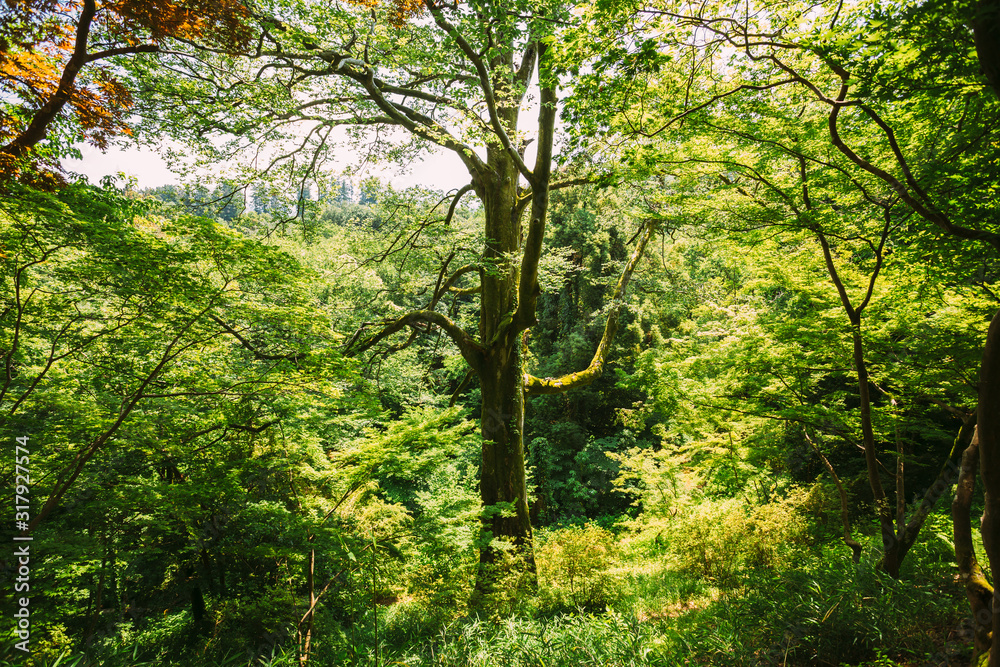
{"x": 753, "y": 590}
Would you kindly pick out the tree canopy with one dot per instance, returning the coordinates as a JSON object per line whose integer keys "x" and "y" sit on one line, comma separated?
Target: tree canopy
{"x": 700, "y": 349}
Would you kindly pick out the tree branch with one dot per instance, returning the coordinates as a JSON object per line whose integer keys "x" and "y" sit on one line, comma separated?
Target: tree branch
{"x": 485, "y": 85}
{"x": 528, "y": 288}
{"x": 845, "y": 516}
{"x": 931, "y": 215}
{"x": 534, "y": 385}
{"x": 471, "y": 350}
{"x": 40, "y": 122}
{"x": 454, "y": 202}
{"x": 128, "y": 405}
{"x": 452, "y": 279}
{"x": 261, "y": 356}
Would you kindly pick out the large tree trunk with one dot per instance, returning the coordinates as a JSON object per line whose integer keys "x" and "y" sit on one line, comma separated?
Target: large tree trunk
{"x": 989, "y": 457}
{"x": 503, "y": 484}
{"x": 977, "y": 589}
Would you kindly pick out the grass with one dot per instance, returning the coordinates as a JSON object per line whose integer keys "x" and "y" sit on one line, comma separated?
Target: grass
{"x": 822, "y": 611}
{"x": 622, "y": 601}
{"x": 813, "y": 606}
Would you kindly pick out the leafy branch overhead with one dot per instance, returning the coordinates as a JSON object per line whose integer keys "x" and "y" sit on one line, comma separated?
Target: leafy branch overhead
{"x": 55, "y": 58}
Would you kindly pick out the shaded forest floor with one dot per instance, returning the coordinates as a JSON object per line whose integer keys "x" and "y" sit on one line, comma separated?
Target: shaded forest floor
{"x": 648, "y": 611}
{"x": 633, "y": 594}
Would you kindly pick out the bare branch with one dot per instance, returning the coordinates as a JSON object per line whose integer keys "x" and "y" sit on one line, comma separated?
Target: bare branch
{"x": 258, "y": 354}
{"x": 845, "y": 516}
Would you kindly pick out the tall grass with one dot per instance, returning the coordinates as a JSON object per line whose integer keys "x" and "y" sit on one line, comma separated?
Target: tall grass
{"x": 632, "y": 600}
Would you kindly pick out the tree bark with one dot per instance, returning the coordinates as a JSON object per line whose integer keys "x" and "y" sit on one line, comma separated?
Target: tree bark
{"x": 977, "y": 589}
{"x": 989, "y": 457}
{"x": 986, "y": 29}
{"x": 503, "y": 483}
{"x": 986, "y": 32}
{"x": 509, "y": 285}
{"x": 892, "y": 558}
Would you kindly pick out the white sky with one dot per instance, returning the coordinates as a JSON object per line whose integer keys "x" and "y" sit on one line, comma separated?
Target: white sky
{"x": 442, "y": 170}
{"x": 439, "y": 169}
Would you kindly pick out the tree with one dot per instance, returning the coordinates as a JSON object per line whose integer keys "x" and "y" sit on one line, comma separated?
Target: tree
{"x": 907, "y": 113}
{"x": 53, "y": 56}
{"x": 822, "y": 89}
{"x": 169, "y": 373}
{"x": 95, "y": 302}
{"x": 457, "y": 78}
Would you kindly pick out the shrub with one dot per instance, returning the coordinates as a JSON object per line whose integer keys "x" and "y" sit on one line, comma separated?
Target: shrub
{"x": 573, "y": 566}
{"x": 511, "y": 583}
{"x": 720, "y": 538}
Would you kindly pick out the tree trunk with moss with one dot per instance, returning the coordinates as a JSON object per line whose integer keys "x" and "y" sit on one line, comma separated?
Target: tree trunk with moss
{"x": 977, "y": 588}
{"x": 503, "y": 483}
{"x": 989, "y": 458}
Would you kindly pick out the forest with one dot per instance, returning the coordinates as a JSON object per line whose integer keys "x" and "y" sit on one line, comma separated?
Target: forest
{"x": 700, "y": 366}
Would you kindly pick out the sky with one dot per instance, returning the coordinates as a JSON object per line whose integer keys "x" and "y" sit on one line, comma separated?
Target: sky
{"x": 439, "y": 170}
{"x": 442, "y": 170}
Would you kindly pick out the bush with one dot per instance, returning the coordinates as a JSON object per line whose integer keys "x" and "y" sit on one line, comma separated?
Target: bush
{"x": 573, "y": 567}
{"x": 511, "y": 583}
{"x": 829, "y": 607}
{"x": 718, "y": 539}
{"x": 705, "y": 538}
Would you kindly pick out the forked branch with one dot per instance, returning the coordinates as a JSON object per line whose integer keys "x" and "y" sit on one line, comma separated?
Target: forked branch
{"x": 471, "y": 350}
{"x": 534, "y": 385}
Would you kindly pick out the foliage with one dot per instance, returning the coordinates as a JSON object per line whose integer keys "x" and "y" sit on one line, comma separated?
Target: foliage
{"x": 571, "y": 432}
{"x": 573, "y": 567}
{"x": 48, "y": 52}
{"x": 249, "y": 408}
